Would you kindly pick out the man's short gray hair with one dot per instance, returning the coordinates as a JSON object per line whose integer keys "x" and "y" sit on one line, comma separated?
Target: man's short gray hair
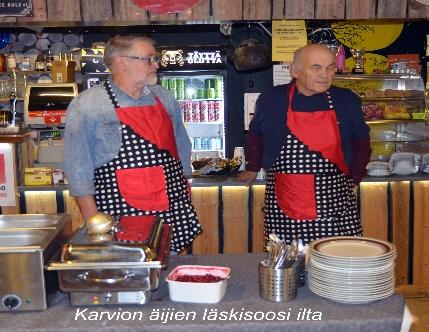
{"x": 120, "y": 45}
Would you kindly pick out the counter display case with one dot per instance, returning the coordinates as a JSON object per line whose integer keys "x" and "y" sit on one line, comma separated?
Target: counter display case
{"x": 394, "y": 108}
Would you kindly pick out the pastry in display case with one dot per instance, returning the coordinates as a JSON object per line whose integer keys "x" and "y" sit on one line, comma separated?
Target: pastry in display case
{"x": 394, "y": 109}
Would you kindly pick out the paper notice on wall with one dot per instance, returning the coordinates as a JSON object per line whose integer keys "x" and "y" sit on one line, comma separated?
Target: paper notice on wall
{"x": 288, "y": 36}
{"x": 249, "y": 108}
{"x": 7, "y": 176}
{"x": 281, "y": 74}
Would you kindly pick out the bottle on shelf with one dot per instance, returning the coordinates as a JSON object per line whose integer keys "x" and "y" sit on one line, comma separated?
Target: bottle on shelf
{"x": 12, "y": 109}
{"x": 49, "y": 59}
{"x": 3, "y": 63}
{"x": 40, "y": 64}
{"x": 11, "y": 60}
{"x": 25, "y": 63}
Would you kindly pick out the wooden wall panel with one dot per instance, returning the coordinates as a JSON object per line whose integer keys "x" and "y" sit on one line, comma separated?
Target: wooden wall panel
{"x": 71, "y": 207}
{"x": 97, "y": 10}
{"x": 41, "y": 202}
{"x": 391, "y": 8}
{"x": 227, "y": 10}
{"x": 206, "y": 203}
{"x": 40, "y": 13}
{"x": 373, "y": 209}
{"x": 256, "y": 9}
{"x": 400, "y": 211}
{"x": 362, "y": 9}
{"x": 162, "y": 17}
{"x": 303, "y": 9}
{"x": 258, "y": 203}
{"x": 198, "y": 12}
{"x": 7, "y": 19}
{"x": 126, "y": 10}
{"x": 421, "y": 233}
{"x": 235, "y": 219}
{"x": 329, "y": 9}
{"x": 417, "y": 10}
{"x": 278, "y": 9}
{"x": 63, "y": 10}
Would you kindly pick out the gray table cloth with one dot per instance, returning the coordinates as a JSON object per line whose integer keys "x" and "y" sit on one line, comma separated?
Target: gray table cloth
{"x": 240, "y": 310}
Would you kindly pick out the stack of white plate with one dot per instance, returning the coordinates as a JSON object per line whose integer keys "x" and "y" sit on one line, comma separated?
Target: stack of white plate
{"x": 405, "y": 163}
{"x": 378, "y": 168}
{"x": 351, "y": 269}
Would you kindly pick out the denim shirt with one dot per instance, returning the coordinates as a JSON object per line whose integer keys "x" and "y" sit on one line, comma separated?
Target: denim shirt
{"x": 93, "y": 134}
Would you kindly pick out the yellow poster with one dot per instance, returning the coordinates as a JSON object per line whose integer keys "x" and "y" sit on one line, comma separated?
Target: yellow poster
{"x": 288, "y": 36}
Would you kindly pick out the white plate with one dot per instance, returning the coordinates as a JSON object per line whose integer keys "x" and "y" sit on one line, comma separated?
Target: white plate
{"x": 352, "y": 247}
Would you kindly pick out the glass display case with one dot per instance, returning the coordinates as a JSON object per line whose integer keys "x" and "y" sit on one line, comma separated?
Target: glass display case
{"x": 395, "y": 110}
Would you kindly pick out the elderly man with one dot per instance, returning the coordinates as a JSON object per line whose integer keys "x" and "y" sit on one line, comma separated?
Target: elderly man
{"x": 126, "y": 149}
{"x": 312, "y": 140}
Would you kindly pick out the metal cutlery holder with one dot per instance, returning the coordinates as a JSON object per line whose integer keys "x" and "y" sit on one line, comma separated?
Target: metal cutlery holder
{"x": 280, "y": 285}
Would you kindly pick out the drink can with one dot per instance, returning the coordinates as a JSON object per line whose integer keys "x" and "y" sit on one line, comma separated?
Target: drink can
{"x": 197, "y": 143}
{"x": 213, "y": 143}
{"x": 204, "y": 111}
{"x": 180, "y": 88}
{"x": 217, "y": 110}
{"x": 201, "y": 94}
{"x": 172, "y": 84}
{"x": 205, "y": 143}
{"x": 211, "y": 93}
{"x": 187, "y": 110}
{"x": 164, "y": 82}
{"x": 195, "y": 111}
{"x": 218, "y": 85}
{"x": 219, "y": 143}
{"x": 210, "y": 111}
{"x": 209, "y": 83}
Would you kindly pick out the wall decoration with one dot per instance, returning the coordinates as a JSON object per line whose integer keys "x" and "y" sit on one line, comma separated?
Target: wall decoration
{"x": 367, "y": 35}
{"x": 16, "y": 8}
{"x": 165, "y": 6}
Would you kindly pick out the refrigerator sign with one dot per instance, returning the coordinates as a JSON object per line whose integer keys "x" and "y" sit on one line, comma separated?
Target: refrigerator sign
{"x": 192, "y": 58}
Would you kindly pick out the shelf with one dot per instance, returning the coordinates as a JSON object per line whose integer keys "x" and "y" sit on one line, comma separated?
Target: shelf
{"x": 204, "y": 123}
{"x": 209, "y": 150}
{"x": 197, "y": 99}
{"x": 395, "y": 99}
{"x": 392, "y": 121}
{"x": 8, "y": 99}
{"x": 374, "y": 76}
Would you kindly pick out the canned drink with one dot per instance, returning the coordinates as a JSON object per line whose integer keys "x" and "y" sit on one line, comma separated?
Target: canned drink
{"x": 204, "y": 111}
{"x": 211, "y": 93}
{"x": 205, "y": 143}
{"x": 187, "y": 110}
{"x": 164, "y": 82}
{"x": 210, "y": 111}
{"x": 180, "y": 88}
{"x": 218, "y": 85}
{"x": 195, "y": 111}
{"x": 217, "y": 110}
{"x": 209, "y": 83}
{"x": 197, "y": 143}
{"x": 213, "y": 143}
{"x": 219, "y": 143}
{"x": 201, "y": 94}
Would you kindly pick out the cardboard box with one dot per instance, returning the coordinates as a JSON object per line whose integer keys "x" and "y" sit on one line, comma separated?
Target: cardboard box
{"x": 63, "y": 71}
{"x": 92, "y": 61}
{"x": 38, "y": 176}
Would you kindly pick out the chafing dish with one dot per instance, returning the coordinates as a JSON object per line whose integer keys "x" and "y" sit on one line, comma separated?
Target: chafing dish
{"x": 27, "y": 242}
{"x": 112, "y": 272}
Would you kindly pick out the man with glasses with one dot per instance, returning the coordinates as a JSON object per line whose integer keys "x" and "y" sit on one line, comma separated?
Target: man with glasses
{"x": 312, "y": 140}
{"x": 127, "y": 152}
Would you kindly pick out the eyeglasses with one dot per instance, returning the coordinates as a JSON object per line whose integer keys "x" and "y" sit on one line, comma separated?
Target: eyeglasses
{"x": 151, "y": 59}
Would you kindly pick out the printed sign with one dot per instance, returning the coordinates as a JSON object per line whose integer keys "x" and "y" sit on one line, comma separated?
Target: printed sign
{"x": 16, "y": 8}
{"x": 204, "y": 57}
{"x": 7, "y": 176}
{"x": 288, "y": 36}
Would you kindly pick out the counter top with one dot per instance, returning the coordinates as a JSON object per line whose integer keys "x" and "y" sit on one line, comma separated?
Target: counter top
{"x": 240, "y": 310}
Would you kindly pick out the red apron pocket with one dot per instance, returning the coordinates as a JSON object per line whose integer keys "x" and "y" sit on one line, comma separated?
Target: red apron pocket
{"x": 296, "y": 195}
{"x": 144, "y": 188}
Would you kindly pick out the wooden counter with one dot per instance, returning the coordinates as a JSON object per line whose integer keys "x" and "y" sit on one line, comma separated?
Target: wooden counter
{"x": 393, "y": 209}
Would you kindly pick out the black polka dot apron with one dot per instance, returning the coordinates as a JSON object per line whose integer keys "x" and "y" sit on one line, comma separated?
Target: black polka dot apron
{"x": 146, "y": 177}
{"x": 309, "y": 193}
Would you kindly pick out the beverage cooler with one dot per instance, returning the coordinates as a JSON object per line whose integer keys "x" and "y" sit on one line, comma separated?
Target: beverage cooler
{"x": 197, "y": 76}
